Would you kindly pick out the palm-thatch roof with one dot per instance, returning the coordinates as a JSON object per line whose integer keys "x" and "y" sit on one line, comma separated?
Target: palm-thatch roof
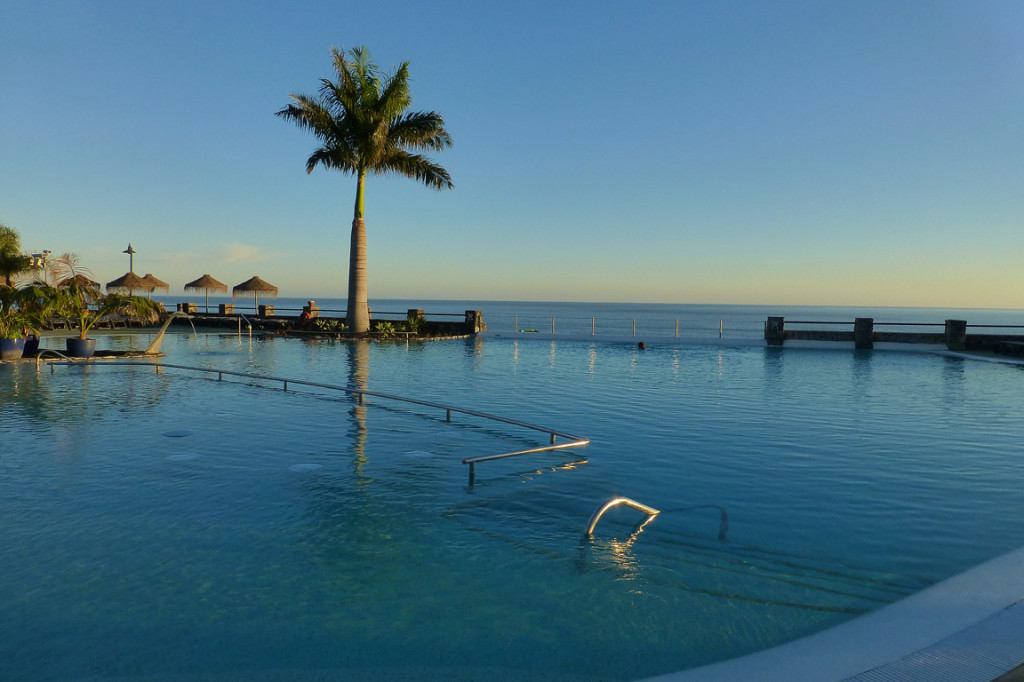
{"x": 206, "y": 283}
{"x": 253, "y": 285}
{"x": 153, "y": 283}
{"x": 129, "y": 282}
{"x": 81, "y": 280}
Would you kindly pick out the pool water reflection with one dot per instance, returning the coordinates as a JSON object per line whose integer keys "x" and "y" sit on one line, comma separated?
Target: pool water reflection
{"x": 310, "y": 533}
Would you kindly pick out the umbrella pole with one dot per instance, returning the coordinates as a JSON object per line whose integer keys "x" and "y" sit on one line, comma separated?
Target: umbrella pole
{"x": 207, "y": 301}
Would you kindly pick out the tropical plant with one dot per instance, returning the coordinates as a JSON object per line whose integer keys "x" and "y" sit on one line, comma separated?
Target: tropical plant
{"x": 326, "y": 324}
{"x": 414, "y": 324}
{"x": 363, "y": 125}
{"x": 79, "y": 300}
{"x": 12, "y": 318}
{"x": 12, "y": 261}
{"x": 20, "y": 312}
{"x": 36, "y": 302}
{"x": 385, "y": 329}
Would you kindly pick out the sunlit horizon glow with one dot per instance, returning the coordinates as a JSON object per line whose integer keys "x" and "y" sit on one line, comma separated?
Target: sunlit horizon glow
{"x": 801, "y": 153}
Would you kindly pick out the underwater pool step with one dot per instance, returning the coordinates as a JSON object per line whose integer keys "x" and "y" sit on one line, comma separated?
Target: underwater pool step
{"x": 539, "y": 521}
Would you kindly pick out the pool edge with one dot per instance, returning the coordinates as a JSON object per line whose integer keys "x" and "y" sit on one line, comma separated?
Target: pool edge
{"x": 881, "y": 637}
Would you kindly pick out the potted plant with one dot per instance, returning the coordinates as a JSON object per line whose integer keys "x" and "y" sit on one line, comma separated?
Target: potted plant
{"x": 79, "y": 300}
{"x": 13, "y": 321}
{"x": 36, "y": 302}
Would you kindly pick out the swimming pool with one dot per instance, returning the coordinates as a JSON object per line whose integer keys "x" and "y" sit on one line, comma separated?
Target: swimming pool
{"x": 310, "y": 534}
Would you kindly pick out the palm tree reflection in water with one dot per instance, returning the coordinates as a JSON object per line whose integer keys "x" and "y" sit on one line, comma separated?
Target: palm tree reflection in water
{"x": 359, "y": 374}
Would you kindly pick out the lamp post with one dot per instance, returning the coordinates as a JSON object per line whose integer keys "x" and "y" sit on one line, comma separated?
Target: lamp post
{"x": 131, "y": 252}
{"x": 39, "y": 259}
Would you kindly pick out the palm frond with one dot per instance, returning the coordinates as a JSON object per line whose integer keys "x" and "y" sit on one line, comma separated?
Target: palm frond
{"x": 335, "y": 157}
{"x": 362, "y": 121}
{"x": 394, "y": 95}
{"x": 417, "y": 167}
{"x": 421, "y": 130}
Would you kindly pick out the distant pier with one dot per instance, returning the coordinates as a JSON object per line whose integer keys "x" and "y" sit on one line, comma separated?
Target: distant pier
{"x": 956, "y": 335}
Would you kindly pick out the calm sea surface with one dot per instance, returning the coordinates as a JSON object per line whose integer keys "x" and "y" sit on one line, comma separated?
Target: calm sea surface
{"x": 652, "y": 319}
{"x": 163, "y": 524}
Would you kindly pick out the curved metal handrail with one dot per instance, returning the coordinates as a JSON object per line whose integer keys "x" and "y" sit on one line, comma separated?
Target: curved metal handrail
{"x": 573, "y": 442}
{"x": 40, "y": 354}
{"x": 615, "y": 501}
{"x": 723, "y": 514}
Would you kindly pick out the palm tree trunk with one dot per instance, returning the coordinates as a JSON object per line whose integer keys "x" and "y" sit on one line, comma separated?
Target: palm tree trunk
{"x": 358, "y": 315}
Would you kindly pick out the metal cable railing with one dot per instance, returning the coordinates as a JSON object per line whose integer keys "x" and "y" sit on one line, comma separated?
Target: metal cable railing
{"x": 570, "y": 442}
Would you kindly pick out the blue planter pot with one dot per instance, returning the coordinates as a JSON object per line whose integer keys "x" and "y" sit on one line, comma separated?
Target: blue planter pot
{"x": 31, "y": 347}
{"x": 11, "y": 349}
{"x": 81, "y": 348}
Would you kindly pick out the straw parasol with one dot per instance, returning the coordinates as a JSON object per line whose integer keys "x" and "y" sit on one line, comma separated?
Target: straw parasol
{"x": 254, "y": 285}
{"x": 82, "y": 281}
{"x": 153, "y": 283}
{"x": 206, "y": 283}
{"x": 129, "y": 282}
{"x": 88, "y": 289}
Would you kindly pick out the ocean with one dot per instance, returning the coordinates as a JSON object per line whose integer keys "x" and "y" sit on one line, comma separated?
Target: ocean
{"x": 690, "y": 321}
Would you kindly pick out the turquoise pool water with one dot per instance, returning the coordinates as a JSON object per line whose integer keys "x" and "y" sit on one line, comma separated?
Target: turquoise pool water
{"x": 310, "y": 534}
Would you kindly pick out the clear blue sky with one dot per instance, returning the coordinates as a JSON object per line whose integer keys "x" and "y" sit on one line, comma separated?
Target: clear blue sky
{"x": 797, "y": 152}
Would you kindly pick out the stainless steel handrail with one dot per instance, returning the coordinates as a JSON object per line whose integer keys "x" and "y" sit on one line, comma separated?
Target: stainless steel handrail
{"x": 574, "y": 441}
{"x": 40, "y": 354}
{"x": 615, "y": 501}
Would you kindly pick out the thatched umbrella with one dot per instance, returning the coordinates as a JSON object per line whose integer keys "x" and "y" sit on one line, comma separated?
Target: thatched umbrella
{"x": 82, "y": 281}
{"x": 129, "y": 282}
{"x": 156, "y": 283}
{"x": 254, "y": 285}
{"x": 153, "y": 283}
{"x": 87, "y": 289}
{"x": 207, "y": 284}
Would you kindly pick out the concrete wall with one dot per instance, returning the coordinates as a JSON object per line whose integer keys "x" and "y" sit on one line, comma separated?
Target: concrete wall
{"x": 955, "y": 336}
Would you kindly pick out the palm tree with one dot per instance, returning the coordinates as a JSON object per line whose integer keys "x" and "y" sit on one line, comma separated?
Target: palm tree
{"x": 12, "y": 262}
{"x": 363, "y": 125}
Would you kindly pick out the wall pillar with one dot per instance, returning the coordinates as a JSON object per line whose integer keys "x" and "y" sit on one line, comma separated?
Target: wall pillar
{"x": 864, "y": 332}
{"x": 775, "y": 331}
{"x": 475, "y": 321}
{"x": 956, "y": 334}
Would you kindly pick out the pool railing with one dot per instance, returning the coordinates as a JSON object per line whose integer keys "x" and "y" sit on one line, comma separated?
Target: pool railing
{"x": 571, "y": 441}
